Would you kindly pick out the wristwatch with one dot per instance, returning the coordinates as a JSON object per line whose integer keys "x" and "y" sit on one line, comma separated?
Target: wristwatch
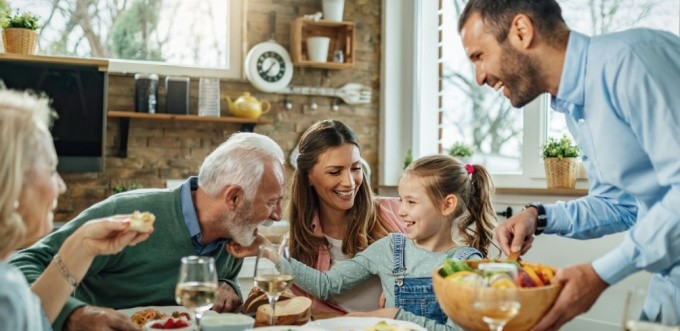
{"x": 541, "y": 219}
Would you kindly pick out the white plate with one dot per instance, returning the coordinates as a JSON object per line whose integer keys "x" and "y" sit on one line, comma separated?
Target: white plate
{"x": 359, "y": 323}
{"x": 286, "y": 328}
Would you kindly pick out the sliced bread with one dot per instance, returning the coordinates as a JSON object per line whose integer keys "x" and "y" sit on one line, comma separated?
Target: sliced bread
{"x": 294, "y": 311}
{"x": 257, "y": 297}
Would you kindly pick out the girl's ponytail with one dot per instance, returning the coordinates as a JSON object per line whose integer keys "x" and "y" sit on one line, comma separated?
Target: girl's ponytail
{"x": 480, "y": 211}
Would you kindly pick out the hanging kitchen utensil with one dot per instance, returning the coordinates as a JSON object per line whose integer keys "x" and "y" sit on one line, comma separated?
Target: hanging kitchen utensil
{"x": 351, "y": 94}
{"x": 268, "y": 65}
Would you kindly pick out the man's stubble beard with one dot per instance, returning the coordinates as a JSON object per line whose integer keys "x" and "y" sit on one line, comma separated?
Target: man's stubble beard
{"x": 521, "y": 74}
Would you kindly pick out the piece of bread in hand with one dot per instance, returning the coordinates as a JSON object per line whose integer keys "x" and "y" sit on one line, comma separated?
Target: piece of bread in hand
{"x": 294, "y": 311}
{"x": 257, "y": 297}
{"x": 141, "y": 222}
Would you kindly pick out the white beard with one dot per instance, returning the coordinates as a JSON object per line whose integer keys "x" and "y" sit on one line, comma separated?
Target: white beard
{"x": 241, "y": 225}
{"x": 243, "y": 234}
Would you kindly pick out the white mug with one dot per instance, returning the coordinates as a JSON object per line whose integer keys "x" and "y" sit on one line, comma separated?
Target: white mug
{"x": 317, "y": 48}
{"x": 333, "y": 9}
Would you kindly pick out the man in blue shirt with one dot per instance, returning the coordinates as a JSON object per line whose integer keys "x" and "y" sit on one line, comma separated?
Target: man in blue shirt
{"x": 619, "y": 95}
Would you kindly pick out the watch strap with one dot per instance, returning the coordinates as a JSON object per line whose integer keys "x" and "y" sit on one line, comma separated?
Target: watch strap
{"x": 541, "y": 218}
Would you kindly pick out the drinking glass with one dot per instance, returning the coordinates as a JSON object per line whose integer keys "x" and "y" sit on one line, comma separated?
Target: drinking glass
{"x": 269, "y": 279}
{"x": 634, "y": 318}
{"x": 197, "y": 284}
{"x": 497, "y": 294}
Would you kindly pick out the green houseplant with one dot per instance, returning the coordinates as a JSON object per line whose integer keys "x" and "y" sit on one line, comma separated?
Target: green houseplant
{"x": 461, "y": 151}
{"x": 19, "y": 32}
{"x": 115, "y": 189}
{"x": 560, "y": 158}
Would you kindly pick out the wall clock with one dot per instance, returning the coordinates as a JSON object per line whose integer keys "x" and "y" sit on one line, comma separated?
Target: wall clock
{"x": 269, "y": 67}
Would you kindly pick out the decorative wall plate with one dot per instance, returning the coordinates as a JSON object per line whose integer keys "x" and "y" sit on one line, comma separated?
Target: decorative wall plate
{"x": 268, "y": 66}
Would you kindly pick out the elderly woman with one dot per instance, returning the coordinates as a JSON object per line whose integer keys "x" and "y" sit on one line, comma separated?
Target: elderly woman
{"x": 28, "y": 195}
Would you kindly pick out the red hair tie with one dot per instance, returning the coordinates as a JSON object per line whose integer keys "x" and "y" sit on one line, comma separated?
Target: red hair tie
{"x": 470, "y": 169}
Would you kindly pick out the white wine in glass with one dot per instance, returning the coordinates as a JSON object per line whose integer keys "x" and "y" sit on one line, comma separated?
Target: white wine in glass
{"x": 268, "y": 278}
{"x": 497, "y": 294}
{"x": 197, "y": 284}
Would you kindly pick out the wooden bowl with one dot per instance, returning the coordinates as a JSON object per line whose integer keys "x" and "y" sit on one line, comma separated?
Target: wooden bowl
{"x": 456, "y": 301}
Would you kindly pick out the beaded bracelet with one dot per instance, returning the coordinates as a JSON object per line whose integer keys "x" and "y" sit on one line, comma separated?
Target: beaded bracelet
{"x": 62, "y": 268}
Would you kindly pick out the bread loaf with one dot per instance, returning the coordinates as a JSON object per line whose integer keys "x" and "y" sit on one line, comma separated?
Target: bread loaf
{"x": 257, "y": 298}
{"x": 294, "y": 311}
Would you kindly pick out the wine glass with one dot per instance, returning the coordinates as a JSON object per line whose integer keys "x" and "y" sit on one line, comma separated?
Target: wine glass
{"x": 268, "y": 278}
{"x": 497, "y": 295}
{"x": 634, "y": 317}
{"x": 197, "y": 284}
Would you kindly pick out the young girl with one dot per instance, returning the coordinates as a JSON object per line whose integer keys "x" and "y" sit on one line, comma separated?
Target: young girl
{"x": 441, "y": 199}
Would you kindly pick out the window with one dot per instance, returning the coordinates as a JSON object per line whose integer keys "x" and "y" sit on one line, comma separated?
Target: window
{"x": 171, "y": 37}
{"x": 508, "y": 140}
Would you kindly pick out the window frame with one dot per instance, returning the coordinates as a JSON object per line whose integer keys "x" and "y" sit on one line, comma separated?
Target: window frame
{"x": 236, "y": 10}
{"x": 408, "y": 74}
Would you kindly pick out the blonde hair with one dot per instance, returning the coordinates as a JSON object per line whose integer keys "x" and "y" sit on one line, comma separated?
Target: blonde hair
{"x": 471, "y": 184}
{"x": 24, "y": 118}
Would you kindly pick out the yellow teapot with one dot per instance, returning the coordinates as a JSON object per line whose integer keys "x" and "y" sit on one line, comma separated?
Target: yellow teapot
{"x": 247, "y": 106}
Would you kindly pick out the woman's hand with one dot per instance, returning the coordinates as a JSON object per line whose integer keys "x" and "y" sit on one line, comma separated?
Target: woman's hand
{"x": 102, "y": 236}
{"x": 109, "y": 235}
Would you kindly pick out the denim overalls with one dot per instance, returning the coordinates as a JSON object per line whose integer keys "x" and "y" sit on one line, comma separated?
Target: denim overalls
{"x": 416, "y": 295}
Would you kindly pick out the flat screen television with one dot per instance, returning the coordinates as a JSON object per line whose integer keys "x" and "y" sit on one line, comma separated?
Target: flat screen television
{"x": 78, "y": 94}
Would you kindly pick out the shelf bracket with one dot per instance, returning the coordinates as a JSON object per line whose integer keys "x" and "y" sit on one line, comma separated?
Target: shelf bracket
{"x": 123, "y": 131}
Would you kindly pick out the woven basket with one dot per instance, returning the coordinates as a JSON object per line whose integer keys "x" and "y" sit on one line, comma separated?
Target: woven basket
{"x": 19, "y": 41}
{"x": 561, "y": 173}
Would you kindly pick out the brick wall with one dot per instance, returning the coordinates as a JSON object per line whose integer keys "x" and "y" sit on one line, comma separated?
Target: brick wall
{"x": 160, "y": 150}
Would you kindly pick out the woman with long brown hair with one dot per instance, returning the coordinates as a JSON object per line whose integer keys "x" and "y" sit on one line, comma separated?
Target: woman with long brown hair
{"x": 333, "y": 212}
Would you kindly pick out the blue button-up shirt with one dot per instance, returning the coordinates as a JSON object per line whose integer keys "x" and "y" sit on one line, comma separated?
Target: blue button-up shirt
{"x": 191, "y": 220}
{"x": 620, "y": 95}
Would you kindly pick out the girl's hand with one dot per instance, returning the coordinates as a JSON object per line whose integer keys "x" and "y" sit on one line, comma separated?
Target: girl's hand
{"x": 381, "y": 313}
{"x": 238, "y": 251}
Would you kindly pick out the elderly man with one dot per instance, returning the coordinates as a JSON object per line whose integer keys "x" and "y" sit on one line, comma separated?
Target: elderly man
{"x": 239, "y": 186}
{"x": 619, "y": 96}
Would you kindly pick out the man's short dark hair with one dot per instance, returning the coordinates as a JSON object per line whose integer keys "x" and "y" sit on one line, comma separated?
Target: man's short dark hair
{"x": 497, "y": 15}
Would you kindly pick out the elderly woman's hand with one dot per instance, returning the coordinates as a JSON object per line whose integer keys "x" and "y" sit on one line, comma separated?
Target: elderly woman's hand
{"x": 108, "y": 235}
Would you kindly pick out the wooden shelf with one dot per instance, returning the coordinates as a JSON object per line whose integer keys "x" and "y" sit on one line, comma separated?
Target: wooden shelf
{"x": 247, "y": 125}
{"x": 342, "y": 35}
{"x": 194, "y": 118}
{"x": 101, "y": 64}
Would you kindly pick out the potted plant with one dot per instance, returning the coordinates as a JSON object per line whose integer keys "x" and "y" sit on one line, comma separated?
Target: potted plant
{"x": 19, "y": 33}
{"x": 561, "y": 162}
{"x": 461, "y": 151}
{"x": 123, "y": 187}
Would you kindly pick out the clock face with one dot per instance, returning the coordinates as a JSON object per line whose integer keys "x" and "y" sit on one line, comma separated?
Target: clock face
{"x": 269, "y": 67}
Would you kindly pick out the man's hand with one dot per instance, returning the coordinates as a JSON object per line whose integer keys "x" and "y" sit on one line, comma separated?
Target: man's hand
{"x": 226, "y": 299}
{"x": 517, "y": 233}
{"x": 382, "y": 313}
{"x": 581, "y": 288}
{"x": 92, "y": 318}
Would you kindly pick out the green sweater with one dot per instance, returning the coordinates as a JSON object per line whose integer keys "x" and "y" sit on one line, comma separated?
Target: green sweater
{"x": 141, "y": 275}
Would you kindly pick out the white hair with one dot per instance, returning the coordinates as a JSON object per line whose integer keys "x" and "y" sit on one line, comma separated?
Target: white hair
{"x": 238, "y": 161}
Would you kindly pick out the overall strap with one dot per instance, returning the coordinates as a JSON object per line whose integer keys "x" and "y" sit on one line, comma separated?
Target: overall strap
{"x": 399, "y": 269}
{"x": 465, "y": 253}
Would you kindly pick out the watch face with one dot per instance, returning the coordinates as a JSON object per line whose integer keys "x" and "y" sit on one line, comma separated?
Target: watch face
{"x": 270, "y": 66}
